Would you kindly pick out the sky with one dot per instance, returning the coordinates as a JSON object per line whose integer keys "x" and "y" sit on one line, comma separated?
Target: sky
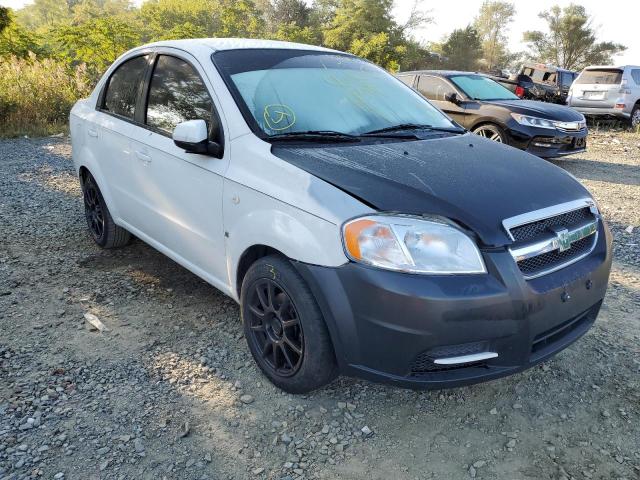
{"x": 615, "y": 20}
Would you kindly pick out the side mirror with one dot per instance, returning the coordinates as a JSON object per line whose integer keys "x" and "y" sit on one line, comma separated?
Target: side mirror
{"x": 452, "y": 97}
{"x": 193, "y": 137}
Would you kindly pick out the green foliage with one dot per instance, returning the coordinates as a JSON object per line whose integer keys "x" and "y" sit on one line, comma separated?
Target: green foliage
{"x": 239, "y": 18}
{"x": 16, "y": 40}
{"x": 97, "y": 42}
{"x": 492, "y": 24}
{"x": 571, "y": 41}
{"x": 366, "y": 28}
{"x": 37, "y": 94}
{"x": 463, "y": 49}
{"x": 162, "y": 16}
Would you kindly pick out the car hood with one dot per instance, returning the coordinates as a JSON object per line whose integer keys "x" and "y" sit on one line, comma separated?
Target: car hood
{"x": 471, "y": 180}
{"x": 546, "y": 110}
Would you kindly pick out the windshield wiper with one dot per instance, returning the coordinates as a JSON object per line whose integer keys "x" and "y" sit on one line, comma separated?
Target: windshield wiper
{"x": 315, "y": 135}
{"x": 412, "y": 126}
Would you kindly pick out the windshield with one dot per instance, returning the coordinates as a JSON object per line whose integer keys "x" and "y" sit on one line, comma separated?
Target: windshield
{"x": 287, "y": 91}
{"x": 604, "y": 77}
{"x": 478, "y": 87}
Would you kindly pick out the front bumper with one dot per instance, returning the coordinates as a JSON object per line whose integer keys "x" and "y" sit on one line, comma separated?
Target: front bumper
{"x": 547, "y": 143}
{"x": 388, "y": 326}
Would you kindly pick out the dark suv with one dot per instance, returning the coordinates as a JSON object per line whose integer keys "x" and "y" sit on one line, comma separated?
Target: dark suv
{"x": 545, "y": 83}
{"x": 485, "y": 107}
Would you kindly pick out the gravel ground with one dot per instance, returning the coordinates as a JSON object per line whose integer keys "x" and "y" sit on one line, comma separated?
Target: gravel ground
{"x": 170, "y": 391}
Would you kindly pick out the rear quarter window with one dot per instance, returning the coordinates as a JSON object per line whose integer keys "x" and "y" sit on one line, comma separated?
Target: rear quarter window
{"x": 635, "y": 74}
{"x": 407, "y": 79}
{"x": 123, "y": 87}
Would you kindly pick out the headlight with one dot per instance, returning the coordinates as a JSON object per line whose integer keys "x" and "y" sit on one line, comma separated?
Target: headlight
{"x": 409, "y": 244}
{"x": 533, "y": 121}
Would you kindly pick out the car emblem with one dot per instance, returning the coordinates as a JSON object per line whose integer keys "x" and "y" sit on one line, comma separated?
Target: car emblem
{"x": 564, "y": 239}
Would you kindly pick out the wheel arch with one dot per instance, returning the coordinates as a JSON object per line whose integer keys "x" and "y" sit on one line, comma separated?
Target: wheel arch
{"x": 87, "y": 164}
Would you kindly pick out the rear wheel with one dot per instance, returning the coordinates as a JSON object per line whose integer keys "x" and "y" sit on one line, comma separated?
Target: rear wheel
{"x": 635, "y": 117}
{"x": 284, "y": 327}
{"x": 492, "y": 132}
{"x": 101, "y": 226}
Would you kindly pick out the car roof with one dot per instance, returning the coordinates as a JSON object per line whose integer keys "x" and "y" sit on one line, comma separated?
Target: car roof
{"x": 219, "y": 44}
{"x": 617, "y": 67}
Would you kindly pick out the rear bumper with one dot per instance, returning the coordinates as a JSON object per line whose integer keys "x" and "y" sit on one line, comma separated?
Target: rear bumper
{"x": 604, "y": 112}
{"x": 389, "y": 326}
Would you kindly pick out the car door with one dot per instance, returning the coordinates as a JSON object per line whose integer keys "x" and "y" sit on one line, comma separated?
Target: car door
{"x": 435, "y": 90}
{"x": 181, "y": 192}
{"x": 110, "y": 131}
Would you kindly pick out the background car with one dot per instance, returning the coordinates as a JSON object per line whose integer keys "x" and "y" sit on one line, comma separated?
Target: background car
{"x": 545, "y": 83}
{"x": 608, "y": 92}
{"x": 487, "y": 108}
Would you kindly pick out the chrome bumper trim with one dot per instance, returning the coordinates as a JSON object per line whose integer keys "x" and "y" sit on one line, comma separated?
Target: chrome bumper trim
{"x": 475, "y": 357}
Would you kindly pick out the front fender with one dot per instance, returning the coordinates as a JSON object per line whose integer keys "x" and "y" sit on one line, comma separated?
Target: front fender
{"x": 252, "y": 218}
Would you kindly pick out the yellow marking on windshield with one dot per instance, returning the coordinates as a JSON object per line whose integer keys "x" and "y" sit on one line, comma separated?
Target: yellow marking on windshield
{"x": 279, "y": 117}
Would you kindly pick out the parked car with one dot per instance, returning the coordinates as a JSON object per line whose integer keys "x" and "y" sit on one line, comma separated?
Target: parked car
{"x": 545, "y": 83}
{"x": 488, "y": 109}
{"x": 608, "y": 92}
{"x": 361, "y": 231}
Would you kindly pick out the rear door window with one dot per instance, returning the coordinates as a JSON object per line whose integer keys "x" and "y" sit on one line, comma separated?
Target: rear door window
{"x": 123, "y": 86}
{"x": 177, "y": 94}
{"x": 434, "y": 88}
{"x": 603, "y": 76}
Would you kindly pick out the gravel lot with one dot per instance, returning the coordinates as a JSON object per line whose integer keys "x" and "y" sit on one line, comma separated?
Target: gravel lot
{"x": 171, "y": 391}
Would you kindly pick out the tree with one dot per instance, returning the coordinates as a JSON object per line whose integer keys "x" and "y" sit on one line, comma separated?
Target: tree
{"x": 462, "y": 49}
{"x": 163, "y": 16}
{"x": 492, "y": 24}
{"x": 367, "y": 28}
{"x": 571, "y": 42}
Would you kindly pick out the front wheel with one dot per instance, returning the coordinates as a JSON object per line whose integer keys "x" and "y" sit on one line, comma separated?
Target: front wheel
{"x": 284, "y": 327}
{"x": 492, "y": 132}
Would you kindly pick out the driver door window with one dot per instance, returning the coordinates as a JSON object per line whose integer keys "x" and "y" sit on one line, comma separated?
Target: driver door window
{"x": 177, "y": 94}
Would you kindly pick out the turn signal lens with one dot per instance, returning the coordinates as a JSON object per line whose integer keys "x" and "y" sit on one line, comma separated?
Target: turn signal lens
{"x": 411, "y": 244}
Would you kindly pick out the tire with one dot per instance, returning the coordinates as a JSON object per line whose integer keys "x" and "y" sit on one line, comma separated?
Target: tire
{"x": 101, "y": 226}
{"x": 284, "y": 327}
{"x": 634, "y": 121}
{"x": 492, "y": 132}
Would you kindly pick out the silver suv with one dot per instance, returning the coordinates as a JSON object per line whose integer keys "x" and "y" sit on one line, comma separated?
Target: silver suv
{"x": 608, "y": 92}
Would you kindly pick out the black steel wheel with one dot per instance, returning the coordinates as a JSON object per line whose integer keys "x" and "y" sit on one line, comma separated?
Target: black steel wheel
{"x": 275, "y": 327}
{"x": 284, "y": 327}
{"x": 102, "y": 228}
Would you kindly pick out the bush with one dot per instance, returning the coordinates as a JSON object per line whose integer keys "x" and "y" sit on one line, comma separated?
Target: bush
{"x": 37, "y": 94}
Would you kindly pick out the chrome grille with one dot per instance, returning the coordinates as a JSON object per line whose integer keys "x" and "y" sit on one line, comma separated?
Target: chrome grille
{"x": 534, "y": 265}
{"x": 532, "y": 230}
{"x": 550, "y": 239}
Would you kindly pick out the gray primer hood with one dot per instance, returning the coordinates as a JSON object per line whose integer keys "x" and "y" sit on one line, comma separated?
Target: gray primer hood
{"x": 473, "y": 181}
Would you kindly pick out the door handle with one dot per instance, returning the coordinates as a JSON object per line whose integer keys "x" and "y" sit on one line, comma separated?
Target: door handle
{"x": 143, "y": 156}
{"x": 92, "y": 132}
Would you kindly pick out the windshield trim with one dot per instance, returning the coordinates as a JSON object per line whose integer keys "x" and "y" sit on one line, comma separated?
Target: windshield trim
{"x": 248, "y": 116}
{"x": 452, "y": 80}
